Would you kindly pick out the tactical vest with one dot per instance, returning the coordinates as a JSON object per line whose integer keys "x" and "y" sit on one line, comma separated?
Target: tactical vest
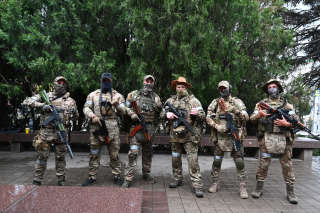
{"x": 102, "y": 106}
{"x": 59, "y": 103}
{"x": 220, "y": 118}
{"x": 179, "y": 133}
{"x": 267, "y": 124}
{"x": 147, "y": 105}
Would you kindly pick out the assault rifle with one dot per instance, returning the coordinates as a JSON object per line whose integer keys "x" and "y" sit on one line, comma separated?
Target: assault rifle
{"x": 180, "y": 118}
{"x": 278, "y": 113}
{"x": 103, "y": 131}
{"x": 142, "y": 124}
{"x": 233, "y": 131}
{"x": 56, "y": 121}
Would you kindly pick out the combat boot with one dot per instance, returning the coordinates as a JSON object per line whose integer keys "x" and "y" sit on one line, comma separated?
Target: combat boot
{"x": 243, "y": 191}
{"x": 118, "y": 180}
{"x": 291, "y": 195}
{"x": 147, "y": 177}
{"x": 126, "y": 184}
{"x": 213, "y": 188}
{"x": 175, "y": 183}
{"x": 37, "y": 183}
{"x": 89, "y": 181}
{"x": 198, "y": 192}
{"x": 258, "y": 192}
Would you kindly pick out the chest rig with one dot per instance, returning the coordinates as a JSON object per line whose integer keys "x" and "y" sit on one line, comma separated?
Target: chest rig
{"x": 267, "y": 124}
{"x": 183, "y": 107}
{"x": 220, "y": 115}
{"x": 60, "y": 104}
{"x": 104, "y": 104}
{"x": 147, "y": 105}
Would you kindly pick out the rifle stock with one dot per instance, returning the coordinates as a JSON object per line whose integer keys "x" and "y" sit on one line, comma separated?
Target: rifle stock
{"x": 142, "y": 124}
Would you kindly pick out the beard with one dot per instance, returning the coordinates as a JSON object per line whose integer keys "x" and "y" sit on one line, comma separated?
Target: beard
{"x": 182, "y": 93}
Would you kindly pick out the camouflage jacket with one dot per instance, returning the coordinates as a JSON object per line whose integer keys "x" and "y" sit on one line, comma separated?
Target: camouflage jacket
{"x": 266, "y": 125}
{"x": 237, "y": 109}
{"x": 65, "y": 105}
{"x": 108, "y": 109}
{"x": 184, "y": 106}
{"x": 149, "y": 105}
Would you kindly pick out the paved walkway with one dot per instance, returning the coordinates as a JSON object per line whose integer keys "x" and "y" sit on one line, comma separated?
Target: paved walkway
{"x": 17, "y": 168}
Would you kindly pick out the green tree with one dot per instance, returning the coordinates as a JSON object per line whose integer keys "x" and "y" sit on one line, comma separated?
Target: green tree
{"x": 78, "y": 39}
{"x": 242, "y": 41}
{"x": 303, "y": 18}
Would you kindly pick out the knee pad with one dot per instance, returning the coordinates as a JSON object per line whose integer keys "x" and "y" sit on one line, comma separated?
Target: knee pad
{"x": 133, "y": 154}
{"x": 239, "y": 163}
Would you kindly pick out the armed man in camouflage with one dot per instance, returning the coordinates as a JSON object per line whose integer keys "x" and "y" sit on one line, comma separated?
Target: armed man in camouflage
{"x": 190, "y": 110}
{"x": 101, "y": 109}
{"x": 149, "y": 105}
{"x": 47, "y": 136}
{"x": 221, "y": 136}
{"x": 275, "y": 136}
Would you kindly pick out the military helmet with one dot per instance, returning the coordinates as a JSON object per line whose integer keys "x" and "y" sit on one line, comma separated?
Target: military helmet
{"x": 58, "y": 78}
{"x": 274, "y": 81}
{"x": 224, "y": 84}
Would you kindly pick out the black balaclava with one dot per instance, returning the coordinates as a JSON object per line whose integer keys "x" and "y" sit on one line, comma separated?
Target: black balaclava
{"x": 107, "y": 85}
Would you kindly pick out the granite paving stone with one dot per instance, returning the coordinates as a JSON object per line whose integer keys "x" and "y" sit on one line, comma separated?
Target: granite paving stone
{"x": 80, "y": 200}
{"x": 17, "y": 168}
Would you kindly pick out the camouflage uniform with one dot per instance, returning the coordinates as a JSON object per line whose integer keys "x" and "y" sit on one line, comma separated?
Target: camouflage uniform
{"x": 109, "y": 116}
{"x": 150, "y": 107}
{"x": 265, "y": 156}
{"x": 47, "y": 136}
{"x": 274, "y": 140}
{"x": 222, "y": 139}
{"x": 180, "y": 139}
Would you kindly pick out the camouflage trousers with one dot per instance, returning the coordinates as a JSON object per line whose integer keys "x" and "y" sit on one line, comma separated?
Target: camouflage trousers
{"x": 43, "y": 149}
{"x": 113, "y": 146}
{"x": 285, "y": 161}
{"x": 238, "y": 160}
{"x": 133, "y": 153}
{"x": 191, "y": 149}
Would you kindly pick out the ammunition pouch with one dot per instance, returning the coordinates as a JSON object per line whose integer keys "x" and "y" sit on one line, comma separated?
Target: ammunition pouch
{"x": 180, "y": 131}
{"x": 106, "y": 108}
{"x": 275, "y": 143}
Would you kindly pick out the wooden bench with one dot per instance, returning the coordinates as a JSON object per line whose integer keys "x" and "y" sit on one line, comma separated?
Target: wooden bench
{"x": 303, "y": 146}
